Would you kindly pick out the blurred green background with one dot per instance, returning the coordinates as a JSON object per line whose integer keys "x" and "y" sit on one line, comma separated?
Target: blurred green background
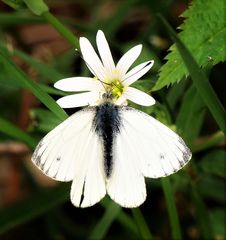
{"x": 37, "y": 48}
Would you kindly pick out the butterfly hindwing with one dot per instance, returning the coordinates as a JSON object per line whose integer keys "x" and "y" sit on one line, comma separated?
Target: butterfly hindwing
{"x": 126, "y": 185}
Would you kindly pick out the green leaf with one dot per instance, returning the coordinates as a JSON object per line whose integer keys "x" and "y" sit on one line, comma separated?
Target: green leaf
{"x": 38, "y": 7}
{"x": 175, "y": 93}
{"x": 204, "y": 34}
{"x": 36, "y": 205}
{"x": 199, "y": 80}
{"x": 17, "y": 18}
{"x": 192, "y": 111}
{"x": 217, "y": 186}
{"x": 13, "y": 131}
{"x": 214, "y": 163}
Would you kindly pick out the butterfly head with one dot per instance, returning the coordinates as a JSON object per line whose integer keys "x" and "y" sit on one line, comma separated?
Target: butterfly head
{"x": 113, "y": 90}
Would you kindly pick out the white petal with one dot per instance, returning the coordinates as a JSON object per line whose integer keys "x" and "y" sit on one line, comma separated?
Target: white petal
{"x": 137, "y": 72}
{"x": 105, "y": 53}
{"x": 78, "y": 100}
{"x": 77, "y": 84}
{"x": 92, "y": 60}
{"x": 128, "y": 59}
{"x": 139, "y": 97}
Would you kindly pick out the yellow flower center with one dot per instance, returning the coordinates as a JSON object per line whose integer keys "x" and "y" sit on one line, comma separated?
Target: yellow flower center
{"x": 116, "y": 88}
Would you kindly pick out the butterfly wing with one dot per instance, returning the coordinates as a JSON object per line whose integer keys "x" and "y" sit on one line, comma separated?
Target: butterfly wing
{"x": 143, "y": 148}
{"x": 159, "y": 150}
{"x": 72, "y": 151}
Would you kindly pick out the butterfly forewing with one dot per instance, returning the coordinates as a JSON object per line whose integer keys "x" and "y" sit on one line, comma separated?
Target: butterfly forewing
{"x": 159, "y": 151}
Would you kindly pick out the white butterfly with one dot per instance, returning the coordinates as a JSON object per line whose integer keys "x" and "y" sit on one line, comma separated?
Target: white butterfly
{"x": 108, "y": 147}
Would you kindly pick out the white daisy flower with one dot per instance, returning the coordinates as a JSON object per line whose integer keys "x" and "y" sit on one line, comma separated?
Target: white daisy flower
{"x": 108, "y": 78}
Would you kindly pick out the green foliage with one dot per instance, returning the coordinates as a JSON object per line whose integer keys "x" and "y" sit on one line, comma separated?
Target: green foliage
{"x": 203, "y": 33}
{"x": 28, "y": 83}
{"x": 192, "y": 111}
{"x": 45, "y": 120}
{"x": 214, "y": 163}
{"x": 200, "y": 80}
{"x": 38, "y": 7}
{"x": 14, "y": 132}
{"x": 217, "y": 217}
{"x": 36, "y": 205}
{"x": 17, "y": 4}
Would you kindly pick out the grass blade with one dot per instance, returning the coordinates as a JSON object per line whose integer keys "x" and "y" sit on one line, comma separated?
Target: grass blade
{"x": 123, "y": 218}
{"x": 21, "y": 77}
{"x": 100, "y": 230}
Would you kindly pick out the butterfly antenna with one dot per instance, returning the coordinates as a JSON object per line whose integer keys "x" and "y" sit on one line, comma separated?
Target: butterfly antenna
{"x": 147, "y": 64}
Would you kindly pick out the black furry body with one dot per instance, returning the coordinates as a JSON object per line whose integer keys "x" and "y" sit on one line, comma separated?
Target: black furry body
{"x": 106, "y": 124}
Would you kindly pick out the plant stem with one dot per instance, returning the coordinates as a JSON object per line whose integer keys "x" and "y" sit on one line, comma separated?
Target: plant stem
{"x": 141, "y": 224}
{"x": 172, "y": 210}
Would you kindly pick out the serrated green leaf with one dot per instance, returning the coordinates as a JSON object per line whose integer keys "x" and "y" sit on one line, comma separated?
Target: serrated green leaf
{"x": 200, "y": 79}
{"x": 204, "y": 34}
